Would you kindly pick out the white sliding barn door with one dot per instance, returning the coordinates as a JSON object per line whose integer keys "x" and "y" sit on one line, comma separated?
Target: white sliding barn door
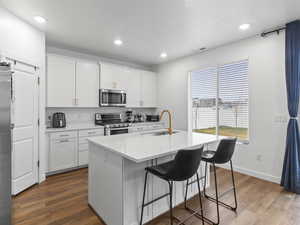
{"x": 25, "y": 132}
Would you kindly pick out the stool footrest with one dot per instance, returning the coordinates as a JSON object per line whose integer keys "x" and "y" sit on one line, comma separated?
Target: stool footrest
{"x": 194, "y": 181}
{"x": 220, "y": 202}
{"x": 222, "y": 194}
{"x": 156, "y": 199}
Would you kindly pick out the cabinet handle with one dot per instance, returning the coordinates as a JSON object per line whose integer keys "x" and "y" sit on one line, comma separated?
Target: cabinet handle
{"x": 13, "y": 96}
{"x": 65, "y": 140}
{"x": 64, "y": 135}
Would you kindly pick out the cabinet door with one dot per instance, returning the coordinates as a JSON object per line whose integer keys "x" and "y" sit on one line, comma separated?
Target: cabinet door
{"x": 132, "y": 83}
{"x": 87, "y": 84}
{"x": 111, "y": 76}
{"x": 60, "y": 81}
{"x": 63, "y": 154}
{"x": 83, "y": 158}
{"x": 148, "y": 89}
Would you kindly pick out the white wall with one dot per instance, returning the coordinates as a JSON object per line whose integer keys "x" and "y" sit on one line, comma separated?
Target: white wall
{"x": 22, "y": 42}
{"x": 263, "y": 157}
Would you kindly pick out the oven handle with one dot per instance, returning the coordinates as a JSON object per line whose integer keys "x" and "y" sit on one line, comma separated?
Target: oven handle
{"x": 119, "y": 128}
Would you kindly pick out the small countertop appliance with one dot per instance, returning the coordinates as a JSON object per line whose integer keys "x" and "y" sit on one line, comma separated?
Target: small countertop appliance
{"x": 59, "y": 120}
{"x": 152, "y": 118}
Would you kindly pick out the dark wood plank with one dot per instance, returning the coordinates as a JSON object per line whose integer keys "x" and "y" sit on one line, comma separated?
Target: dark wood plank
{"x": 62, "y": 200}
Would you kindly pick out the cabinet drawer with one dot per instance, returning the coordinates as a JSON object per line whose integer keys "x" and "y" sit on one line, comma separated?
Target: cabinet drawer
{"x": 83, "y": 140}
{"x": 83, "y": 158}
{"x": 63, "y": 135}
{"x": 89, "y": 133}
{"x": 136, "y": 129}
{"x": 83, "y": 147}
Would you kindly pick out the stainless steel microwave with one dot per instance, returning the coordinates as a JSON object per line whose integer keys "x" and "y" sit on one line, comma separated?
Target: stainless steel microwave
{"x": 116, "y": 98}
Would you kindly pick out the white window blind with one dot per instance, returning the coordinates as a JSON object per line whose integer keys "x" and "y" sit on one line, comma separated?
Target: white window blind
{"x": 204, "y": 94}
{"x": 220, "y": 100}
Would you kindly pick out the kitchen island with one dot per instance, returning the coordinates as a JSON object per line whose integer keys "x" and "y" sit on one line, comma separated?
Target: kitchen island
{"x": 117, "y": 169}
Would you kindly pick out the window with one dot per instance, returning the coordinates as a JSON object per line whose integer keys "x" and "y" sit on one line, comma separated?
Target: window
{"x": 220, "y": 100}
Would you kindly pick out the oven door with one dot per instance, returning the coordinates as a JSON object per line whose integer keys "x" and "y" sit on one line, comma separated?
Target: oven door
{"x": 118, "y": 131}
{"x": 112, "y": 98}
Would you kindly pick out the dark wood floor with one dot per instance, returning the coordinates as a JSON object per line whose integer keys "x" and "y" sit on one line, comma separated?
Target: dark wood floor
{"x": 62, "y": 200}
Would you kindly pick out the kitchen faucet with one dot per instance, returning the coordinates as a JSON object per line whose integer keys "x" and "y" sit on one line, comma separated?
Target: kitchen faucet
{"x": 170, "y": 130}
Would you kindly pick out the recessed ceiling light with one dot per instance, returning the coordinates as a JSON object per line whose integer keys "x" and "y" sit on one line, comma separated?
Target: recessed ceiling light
{"x": 40, "y": 19}
{"x": 118, "y": 42}
{"x": 163, "y": 55}
{"x": 244, "y": 26}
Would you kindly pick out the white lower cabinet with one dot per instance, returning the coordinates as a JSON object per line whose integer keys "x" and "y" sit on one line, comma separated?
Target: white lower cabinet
{"x": 63, "y": 153}
{"x": 83, "y": 147}
{"x": 83, "y": 158}
{"x": 70, "y": 149}
{"x": 143, "y": 128}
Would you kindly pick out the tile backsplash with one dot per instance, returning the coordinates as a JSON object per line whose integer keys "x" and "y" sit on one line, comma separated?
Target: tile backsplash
{"x": 86, "y": 115}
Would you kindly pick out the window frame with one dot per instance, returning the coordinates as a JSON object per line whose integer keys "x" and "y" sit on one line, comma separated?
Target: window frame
{"x": 190, "y": 105}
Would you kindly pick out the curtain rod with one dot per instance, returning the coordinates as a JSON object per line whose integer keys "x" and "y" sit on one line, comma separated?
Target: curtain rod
{"x": 264, "y": 34}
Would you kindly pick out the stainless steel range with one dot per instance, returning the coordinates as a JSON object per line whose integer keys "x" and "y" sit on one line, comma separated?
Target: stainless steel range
{"x": 112, "y": 123}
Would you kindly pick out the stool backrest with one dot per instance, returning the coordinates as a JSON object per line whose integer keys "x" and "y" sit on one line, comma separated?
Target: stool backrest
{"x": 186, "y": 164}
{"x": 225, "y": 150}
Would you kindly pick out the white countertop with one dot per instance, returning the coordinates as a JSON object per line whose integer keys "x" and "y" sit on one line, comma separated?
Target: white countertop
{"x": 140, "y": 147}
{"x": 79, "y": 126}
{"x": 85, "y": 126}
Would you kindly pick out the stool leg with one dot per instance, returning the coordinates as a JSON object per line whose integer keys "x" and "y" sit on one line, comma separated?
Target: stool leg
{"x": 205, "y": 177}
{"x": 186, "y": 191}
{"x": 200, "y": 199}
{"x": 234, "y": 190}
{"x": 144, "y": 194}
{"x": 217, "y": 195}
{"x": 171, "y": 205}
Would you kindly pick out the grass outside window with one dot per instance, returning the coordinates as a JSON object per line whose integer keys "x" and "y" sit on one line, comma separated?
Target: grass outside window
{"x": 239, "y": 132}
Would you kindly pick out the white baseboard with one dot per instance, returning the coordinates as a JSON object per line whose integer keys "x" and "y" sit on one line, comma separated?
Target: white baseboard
{"x": 253, "y": 173}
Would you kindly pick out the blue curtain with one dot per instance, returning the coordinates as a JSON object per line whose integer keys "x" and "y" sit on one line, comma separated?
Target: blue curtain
{"x": 290, "y": 178}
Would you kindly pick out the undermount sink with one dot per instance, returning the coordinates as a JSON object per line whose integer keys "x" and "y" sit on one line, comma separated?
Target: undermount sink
{"x": 160, "y": 133}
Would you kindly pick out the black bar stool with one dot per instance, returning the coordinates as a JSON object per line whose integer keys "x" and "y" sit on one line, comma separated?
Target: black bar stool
{"x": 222, "y": 155}
{"x": 183, "y": 167}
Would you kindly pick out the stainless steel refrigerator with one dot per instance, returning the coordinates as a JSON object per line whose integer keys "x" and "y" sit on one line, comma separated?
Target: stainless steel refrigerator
{"x": 5, "y": 144}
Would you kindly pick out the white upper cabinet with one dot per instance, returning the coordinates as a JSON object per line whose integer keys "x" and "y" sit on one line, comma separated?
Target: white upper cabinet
{"x": 140, "y": 86}
{"x": 112, "y": 76}
{"x": 60, "y": 81}
{"x": 133, "y": 87}
{"x": 87, "y": 84}
{"x": 148, "y": 89}
{"x": 71, "y": 82}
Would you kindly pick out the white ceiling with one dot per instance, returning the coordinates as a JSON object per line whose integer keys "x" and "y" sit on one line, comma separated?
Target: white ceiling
{"x": 148, "y": 27}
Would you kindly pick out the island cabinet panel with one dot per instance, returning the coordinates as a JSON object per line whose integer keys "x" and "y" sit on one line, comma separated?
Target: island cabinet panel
{"x": 116, "y": 183}
{"x": 134, "y": 177}
{"x": 105, "y": 185}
